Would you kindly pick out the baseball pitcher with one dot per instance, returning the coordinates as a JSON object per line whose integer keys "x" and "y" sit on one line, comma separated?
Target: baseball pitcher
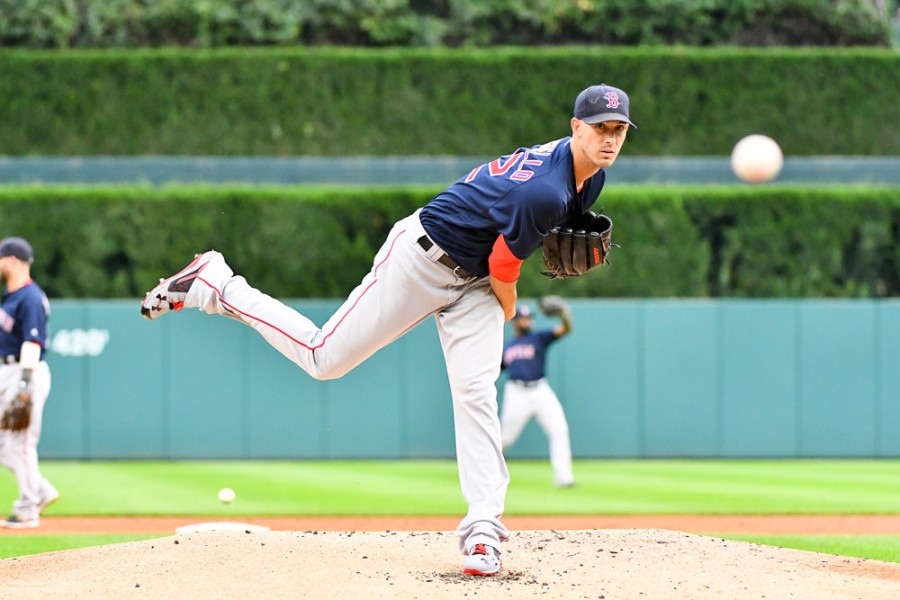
{"x": 456, "y": 260}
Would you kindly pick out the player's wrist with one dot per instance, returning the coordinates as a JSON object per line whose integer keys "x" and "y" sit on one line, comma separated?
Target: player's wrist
{"x": 25, "y": 381}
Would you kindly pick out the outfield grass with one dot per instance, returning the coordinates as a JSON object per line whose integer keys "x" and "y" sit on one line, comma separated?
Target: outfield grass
{"x": 605, "y": 487}
{"x": 419, "y": 487}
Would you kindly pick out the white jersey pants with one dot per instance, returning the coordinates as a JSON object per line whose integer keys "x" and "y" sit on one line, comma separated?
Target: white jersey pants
{"x": 18, "y": 449}
{"x": 404, "y": 287}
{"x": 521, "y": 403}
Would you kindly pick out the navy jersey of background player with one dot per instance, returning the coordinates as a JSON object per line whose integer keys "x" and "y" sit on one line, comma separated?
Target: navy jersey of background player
{"x": 23, "y": 318}
{"x": 524, "y": 356}
{"x": 522, "y": 196}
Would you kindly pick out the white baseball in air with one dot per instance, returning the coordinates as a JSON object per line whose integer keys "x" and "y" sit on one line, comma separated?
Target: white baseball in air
{"x": 756, "y": 159}
{"x": 227, "y": 495}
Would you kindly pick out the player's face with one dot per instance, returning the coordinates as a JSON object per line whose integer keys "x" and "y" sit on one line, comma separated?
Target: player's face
{"x": 600, "y": 142}
{"x": 522, "y": 325}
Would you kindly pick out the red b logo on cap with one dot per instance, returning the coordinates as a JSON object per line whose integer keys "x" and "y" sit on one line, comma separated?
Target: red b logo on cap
{"x": 612, "y": 99}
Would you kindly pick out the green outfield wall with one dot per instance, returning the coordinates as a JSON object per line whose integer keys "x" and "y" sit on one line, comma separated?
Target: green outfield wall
{"x": 638, "y": 378}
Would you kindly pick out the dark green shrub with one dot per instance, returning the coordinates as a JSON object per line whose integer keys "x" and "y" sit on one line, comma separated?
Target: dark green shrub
{"x": 676, "y": 241}
{"x": 439, "y": 102}
{"x": 208, "y": 24}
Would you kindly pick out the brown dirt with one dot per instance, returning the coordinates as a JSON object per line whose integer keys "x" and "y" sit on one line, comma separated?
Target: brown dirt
{"x": 608, "y": 564}
{"x": 756, "y": 524}
{"x": 653, "y": 557}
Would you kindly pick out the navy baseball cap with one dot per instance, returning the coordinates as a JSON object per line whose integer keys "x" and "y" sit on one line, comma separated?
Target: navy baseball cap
{"x": 600, "y": 103}
{"x": 522, "y": 312}
{"x": 18, "y": 247}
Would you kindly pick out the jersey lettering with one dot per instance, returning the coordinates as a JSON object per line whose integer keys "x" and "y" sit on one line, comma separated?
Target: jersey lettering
{"x": 519, "y": 352}
{"x": 497, "y": 167}
{"x": 547, "y": 148}
{"x": 523, "y": 174}
{"x": 473, "y": 173}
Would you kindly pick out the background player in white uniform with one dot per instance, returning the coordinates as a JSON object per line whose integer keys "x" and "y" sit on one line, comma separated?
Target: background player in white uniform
{"x": 457, "y": 260}
{"x": 527, "y": 393}
{"x": 24, "y": 381}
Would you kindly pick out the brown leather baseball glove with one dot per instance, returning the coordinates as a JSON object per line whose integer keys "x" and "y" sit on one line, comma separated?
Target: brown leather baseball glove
{"x": 573, "y": 251}
{"x": 18, "y": 415}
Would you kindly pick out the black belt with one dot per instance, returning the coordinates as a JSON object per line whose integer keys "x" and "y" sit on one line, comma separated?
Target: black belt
{"x": 524, "y": 383}
{"x": 444, "y": 259}
{"x": 9, "y": 359}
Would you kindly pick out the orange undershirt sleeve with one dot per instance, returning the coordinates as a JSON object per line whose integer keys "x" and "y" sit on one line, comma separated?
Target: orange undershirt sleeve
{"x": 502, "y": 263}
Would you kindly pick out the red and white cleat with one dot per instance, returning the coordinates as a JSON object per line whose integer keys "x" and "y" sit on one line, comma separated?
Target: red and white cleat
{"x": 170, "y": 293}
{"x": 483, "y": 560}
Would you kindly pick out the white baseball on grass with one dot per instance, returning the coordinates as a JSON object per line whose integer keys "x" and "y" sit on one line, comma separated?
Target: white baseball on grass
{"x": 226, "y": 495}
{"x": 756, "y": 159}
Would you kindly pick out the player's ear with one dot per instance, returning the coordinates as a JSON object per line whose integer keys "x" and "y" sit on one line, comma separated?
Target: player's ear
{"x": 575, "y": 123}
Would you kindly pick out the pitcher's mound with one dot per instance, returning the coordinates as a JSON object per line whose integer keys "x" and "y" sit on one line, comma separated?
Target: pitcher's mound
{"x": 221, "y": 526}
{"x": 611, "y": 564}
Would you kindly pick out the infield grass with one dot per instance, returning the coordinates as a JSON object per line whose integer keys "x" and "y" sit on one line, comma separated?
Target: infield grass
{"x": 38, "y": 544}
{"x": 431, "y": 487}
{"x": 878, "y": 547}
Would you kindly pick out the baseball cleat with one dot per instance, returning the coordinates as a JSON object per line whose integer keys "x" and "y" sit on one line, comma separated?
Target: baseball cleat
{"x": 47, "y": 500}
{"x": 170, "y": 293}
{"x": 17, "y": 522}
{"x": 483, "y": 560}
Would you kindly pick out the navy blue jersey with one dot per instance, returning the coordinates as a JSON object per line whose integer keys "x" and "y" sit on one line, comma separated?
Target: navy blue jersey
{"x": 524, "y": 356}
{"x": 23, "y": 318}
{"x": 522, "y": 196}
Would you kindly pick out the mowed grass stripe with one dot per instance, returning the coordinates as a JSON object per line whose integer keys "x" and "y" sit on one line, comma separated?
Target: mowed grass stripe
{"x": 717, "y": 487}
{"x": 431, "y": 487}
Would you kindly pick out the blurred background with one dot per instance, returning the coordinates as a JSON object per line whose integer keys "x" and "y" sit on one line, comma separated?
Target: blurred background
{"x": 736, "y": 320}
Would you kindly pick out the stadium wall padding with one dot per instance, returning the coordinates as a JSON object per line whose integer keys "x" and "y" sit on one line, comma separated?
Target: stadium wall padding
{"x": 637, "y": 377}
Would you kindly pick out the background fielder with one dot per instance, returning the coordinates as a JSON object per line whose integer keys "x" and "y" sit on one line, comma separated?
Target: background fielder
{"x": 527, "y": 393}
{"x": 24, "y": 381}
{"x": 457, "y": 260}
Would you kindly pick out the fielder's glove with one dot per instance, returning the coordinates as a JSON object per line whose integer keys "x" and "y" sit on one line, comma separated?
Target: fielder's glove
{"x": 573, "y": 251}
{"x": 18, "y": 416}
{"x": 553, "y": 306}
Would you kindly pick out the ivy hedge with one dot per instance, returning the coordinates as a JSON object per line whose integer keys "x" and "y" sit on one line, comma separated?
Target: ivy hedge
{"x": 351, "y": 102}
{"x": 203, "y": 23}
{"x": 292, "y": 242}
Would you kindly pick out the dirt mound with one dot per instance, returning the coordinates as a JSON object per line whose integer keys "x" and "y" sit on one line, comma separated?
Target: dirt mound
{"x": 706, "y": 524}
{"x": 610, "y": 564}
